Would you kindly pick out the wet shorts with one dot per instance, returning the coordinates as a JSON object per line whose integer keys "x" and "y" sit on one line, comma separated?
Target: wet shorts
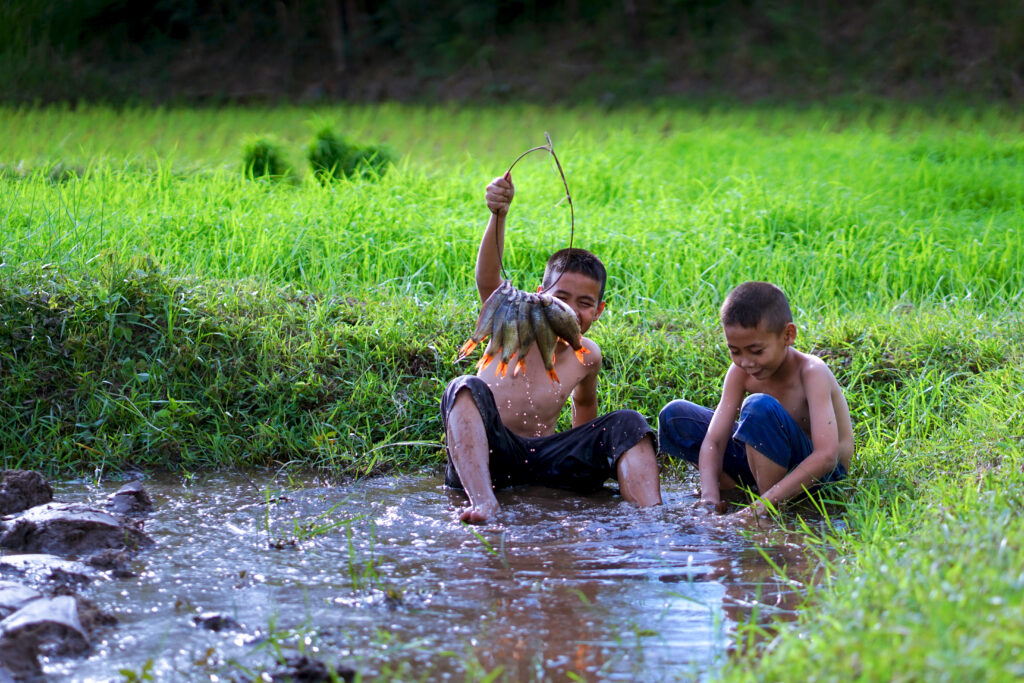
{"x": 580, "y": 459}
{"x": 763, "y": 423}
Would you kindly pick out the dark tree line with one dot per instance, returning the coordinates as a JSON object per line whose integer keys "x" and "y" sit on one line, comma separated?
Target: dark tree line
{"x": 974, "y": 46}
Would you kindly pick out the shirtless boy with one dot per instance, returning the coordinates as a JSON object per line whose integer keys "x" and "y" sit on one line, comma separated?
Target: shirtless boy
{"x": 501, "y": 430}
{"x": 794, "y": 430}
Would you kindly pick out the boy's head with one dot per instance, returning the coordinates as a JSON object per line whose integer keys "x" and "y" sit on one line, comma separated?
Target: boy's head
{"x": 758, "y": 326}
{"x": 752, "y": 303}
{"x": 577, "y": 277}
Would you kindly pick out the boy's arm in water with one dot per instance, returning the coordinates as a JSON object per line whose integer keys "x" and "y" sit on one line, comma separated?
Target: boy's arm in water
{"x": 584, "y": 396}
{"x": 817, "y": 384}
{"x": 712, "y": 449}
{"x": 488, "y": 259}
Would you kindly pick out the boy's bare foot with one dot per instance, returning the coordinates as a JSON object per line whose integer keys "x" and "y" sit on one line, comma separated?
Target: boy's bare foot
{"x": 479, "y": 514}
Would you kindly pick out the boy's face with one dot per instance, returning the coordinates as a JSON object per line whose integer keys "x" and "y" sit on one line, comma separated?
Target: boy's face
{"x": 583, "y": 294}
{"x": 758, "y": 351}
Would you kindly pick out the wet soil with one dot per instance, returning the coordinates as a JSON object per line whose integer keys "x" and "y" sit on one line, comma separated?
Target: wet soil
{"x": 377, "y": 577}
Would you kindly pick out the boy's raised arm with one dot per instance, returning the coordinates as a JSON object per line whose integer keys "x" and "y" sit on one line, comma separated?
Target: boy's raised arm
{"x": 492, "y": 244}
{"x": 712, "y": 450}
{"x": 824, "y": 438}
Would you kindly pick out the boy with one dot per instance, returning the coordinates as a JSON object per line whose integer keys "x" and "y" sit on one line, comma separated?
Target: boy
{"x": 794, "y": 428}
{"x": 500, "y": 431}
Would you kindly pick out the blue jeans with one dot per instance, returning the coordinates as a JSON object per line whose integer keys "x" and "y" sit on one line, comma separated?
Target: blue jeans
{"x": 764, "y": 425}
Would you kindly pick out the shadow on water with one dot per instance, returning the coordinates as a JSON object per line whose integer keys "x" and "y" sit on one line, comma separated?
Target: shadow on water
{"x": 377, "y": 577}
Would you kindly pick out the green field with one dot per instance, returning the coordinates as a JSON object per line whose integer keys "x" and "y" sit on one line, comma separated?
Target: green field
{"x": 159, "y": 310}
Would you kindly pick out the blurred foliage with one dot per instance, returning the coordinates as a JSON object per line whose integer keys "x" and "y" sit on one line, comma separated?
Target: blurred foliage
{"x": 71, "y": 49}
{"x": 332, "y": 156}
{"x": 264, "y": 156}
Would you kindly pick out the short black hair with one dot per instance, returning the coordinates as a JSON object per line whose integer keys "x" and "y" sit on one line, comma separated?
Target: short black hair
{"x": 753, "y": 302}
{"x": 574, "y": 260}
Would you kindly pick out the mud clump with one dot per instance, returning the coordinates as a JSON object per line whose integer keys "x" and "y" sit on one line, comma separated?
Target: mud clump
{"x": 40, "y": 612}
{"x": 130, "y": 499}
{"x": 304, "y": 669}
{"x": 70, "y": 529}
{"x": 212, "y": 621}
{"x": 117, "y": 562}
{"x": 23, "y": 489}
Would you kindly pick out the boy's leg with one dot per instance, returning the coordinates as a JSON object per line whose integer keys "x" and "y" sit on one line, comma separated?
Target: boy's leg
{"x": 618, "y": 445}
{"x": 682, "y": 426}
{"x": 637, "y": 471}
{"x": 775, "y": 444}
{"x": 469, "y": 452}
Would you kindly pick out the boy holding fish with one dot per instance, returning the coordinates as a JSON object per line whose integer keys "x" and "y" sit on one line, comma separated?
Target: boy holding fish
{"x": 500, "y": 424}
{"x": 794, "y": 430}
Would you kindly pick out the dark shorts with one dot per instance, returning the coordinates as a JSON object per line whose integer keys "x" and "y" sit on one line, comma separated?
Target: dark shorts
{"x": 580, "y": 459}
{"x": 763, "y": 423}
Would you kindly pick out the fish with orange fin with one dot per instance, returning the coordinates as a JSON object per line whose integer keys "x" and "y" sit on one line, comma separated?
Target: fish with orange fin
{"x": 566, "y": 325}
{"x": 486, "y": 317}
{"x": 545, "y": 338}
{"x": 498, "y": 325}
{"x": 525, "y": 326}
{"x": 510, "y": 333}
{"x": 515, "y": 320}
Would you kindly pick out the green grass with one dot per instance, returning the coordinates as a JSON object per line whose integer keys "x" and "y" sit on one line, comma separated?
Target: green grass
{"x": 161, "y": 310}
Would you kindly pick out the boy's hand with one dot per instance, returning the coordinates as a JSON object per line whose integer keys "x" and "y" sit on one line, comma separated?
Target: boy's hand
{"x": 499, "y": 194}
{"x": 719, "y": 507}
{"x": 753, "y": 516}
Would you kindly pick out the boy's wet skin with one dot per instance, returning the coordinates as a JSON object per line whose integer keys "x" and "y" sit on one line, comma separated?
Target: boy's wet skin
{"x": 782, "y": 425}
{"x": 529, "y": 403}
{"x": 770, "y": 365}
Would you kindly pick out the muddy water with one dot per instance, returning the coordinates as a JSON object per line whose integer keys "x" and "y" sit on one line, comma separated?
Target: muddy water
{"x": 377, "y": 577}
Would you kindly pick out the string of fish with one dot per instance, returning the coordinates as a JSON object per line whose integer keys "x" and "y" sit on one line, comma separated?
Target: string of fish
{"x": 515, "y": 320}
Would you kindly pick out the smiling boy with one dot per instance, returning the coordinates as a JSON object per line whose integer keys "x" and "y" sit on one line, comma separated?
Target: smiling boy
{"x": 500, "y": 430}
{"x": 794, "y": 430}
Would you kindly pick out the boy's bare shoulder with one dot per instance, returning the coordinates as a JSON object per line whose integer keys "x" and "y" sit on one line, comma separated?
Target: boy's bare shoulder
{"x": 592, "y": 359}
{"x": 594, "y": 355}
{"x": 814, "y": 366}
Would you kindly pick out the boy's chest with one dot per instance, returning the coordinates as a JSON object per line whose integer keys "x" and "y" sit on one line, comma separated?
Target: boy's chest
{"x": 531, "y": 390}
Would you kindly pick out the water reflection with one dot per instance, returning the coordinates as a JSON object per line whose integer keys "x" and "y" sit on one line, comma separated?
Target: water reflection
{"x": 379, "y": 577}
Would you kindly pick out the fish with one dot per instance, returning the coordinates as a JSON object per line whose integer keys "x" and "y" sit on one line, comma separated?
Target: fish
{"x": 510, "y": 335}
{"x": 566, "y": 325}
{"x": 499, "y": 321}
{"x": 514, "y": 321}
{"x": 545, "y": 338}
{"x": 524, "y": 323}
{"x": 486, "y": 317}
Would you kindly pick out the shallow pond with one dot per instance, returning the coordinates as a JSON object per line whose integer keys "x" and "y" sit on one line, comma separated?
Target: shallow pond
{"x": 377, "y": 577}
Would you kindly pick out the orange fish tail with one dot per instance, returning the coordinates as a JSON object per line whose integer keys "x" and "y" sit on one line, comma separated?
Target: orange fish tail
{"x": 501, "y": 369}
{"x": 466, "y": 349}
{"x": 521, "y": 365}
{"x": 579, "y": 354}
{"x": 554, "y": 376}
{"x": 484, "y": 361}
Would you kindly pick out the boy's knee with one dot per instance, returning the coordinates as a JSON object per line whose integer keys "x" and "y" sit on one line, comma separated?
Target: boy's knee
{"x": 632, "y": 422}
{"x": 760, "y": 406}
{"x": 679, "y": 408}
{"x": 458, "y": 399}
{"x": 682, "y": 426}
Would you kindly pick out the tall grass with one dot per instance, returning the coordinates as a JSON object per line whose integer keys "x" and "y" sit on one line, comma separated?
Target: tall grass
{"x": 844, "y": 214}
